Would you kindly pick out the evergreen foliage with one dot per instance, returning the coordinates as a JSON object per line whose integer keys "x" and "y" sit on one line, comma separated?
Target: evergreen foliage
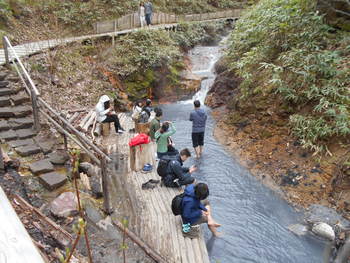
{"x": 285, "y": 47}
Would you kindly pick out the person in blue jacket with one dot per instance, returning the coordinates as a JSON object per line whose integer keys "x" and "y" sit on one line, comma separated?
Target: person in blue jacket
{"x": 196, "y": 211}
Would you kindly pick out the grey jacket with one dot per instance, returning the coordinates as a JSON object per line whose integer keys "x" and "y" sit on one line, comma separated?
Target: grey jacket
{"x": 148, "y": 8}
{"x": 199, "y": 119}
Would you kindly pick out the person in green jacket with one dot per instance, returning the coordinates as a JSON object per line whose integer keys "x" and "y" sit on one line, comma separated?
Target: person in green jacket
{"x": 155, "y": 123}
{"x": 162, "y": 136}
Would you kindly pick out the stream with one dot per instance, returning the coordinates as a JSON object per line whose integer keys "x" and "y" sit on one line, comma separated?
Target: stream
{"x": 254, "y": 219}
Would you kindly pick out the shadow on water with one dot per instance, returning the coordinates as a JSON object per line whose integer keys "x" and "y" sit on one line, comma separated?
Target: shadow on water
{"x": 254, "y": 219}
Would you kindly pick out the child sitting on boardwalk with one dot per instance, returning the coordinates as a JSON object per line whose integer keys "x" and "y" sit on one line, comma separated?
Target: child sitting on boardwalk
{"x": 196, "y": 211}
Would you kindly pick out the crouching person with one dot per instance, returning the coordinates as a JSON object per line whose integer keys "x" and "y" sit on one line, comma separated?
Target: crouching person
{"x": 176, "y": 174}
{"x": 105, "y": 113}
{"x": 196, "y": 211}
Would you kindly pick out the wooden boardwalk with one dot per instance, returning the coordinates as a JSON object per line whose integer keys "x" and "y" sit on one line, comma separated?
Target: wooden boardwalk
{"x": 127, "y": 24}
{"x": 155, "y": 223}
{"x": 39, "y": 46}
{"x": 16, "y": 245}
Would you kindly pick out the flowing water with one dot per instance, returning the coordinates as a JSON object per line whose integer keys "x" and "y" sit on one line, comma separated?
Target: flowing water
{"x": 254, "y": 219}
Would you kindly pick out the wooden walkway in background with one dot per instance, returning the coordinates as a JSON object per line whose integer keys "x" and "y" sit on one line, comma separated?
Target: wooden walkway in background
{"x": 16, "y": 245}
{"x": 39, "y": 46}
{"x": 155, "y": 223}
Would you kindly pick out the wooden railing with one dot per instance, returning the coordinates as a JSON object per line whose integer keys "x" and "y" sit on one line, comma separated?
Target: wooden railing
{"x": 133, "y": 20}
{"x": 39, "y": 105}
{"x": 42, "y": 108}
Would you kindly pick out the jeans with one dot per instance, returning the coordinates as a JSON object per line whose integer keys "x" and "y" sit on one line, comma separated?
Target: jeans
{"x": 148, "y": 19}
{"x": 113, "y": 118}
{"x": 185, "y": 180}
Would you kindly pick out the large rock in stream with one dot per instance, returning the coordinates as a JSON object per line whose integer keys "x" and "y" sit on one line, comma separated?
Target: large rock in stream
{"x": 324, "y": 230}
{"x": 226, "y": 85}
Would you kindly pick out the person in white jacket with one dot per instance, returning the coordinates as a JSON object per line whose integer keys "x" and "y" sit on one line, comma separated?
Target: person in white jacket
{"x": 142, "y": 13}
{"x": 105, "y": 113}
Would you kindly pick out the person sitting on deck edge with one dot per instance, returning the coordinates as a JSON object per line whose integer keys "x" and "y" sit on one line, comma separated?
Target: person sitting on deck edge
{"x": 176, "y": 174}
{"x": 196, "y": 211}
{"x": 105, "y": 113}
{"x": 146, "y": 112}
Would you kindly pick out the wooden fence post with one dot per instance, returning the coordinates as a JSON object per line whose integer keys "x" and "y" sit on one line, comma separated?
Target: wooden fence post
{"x": 4, "y": 43}
{"x": 65, "y": 139}
{"x": 2, "y": 165}
{"x": 35, "y": 107}
{"x": 104, "y": 170}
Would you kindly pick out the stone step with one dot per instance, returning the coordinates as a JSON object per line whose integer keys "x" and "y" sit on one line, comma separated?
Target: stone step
{"x": 20, "y": 98}
{"x": 28, "y": 150}
{"x": 6, "y": 112}
{"x": 5, "y": 101}
{"x": 18, "y": 143}
{"x": 22, "y": 111}
{"x": 7, "y": 91}
{"x": 40, "y": 167}
{"x": 4, "y": 84}
{"x": 21, "y": 123}
{"x": 8, "y": 135}
{"x": 52, "y": 180}
{"x": 2, "y": 76}
{"x": 25, "y": 133}
{"x": 4, "y": 125}
{"x": 45, "y": 145}
{"x": 58, "y": 157}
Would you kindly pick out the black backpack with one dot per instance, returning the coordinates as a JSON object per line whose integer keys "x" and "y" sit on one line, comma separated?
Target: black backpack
{"x": 163, "y": 166}
{"x": 176, "y": 204}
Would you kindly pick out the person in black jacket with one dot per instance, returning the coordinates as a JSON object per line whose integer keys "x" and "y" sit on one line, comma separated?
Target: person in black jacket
{"x": 178, "y": 175}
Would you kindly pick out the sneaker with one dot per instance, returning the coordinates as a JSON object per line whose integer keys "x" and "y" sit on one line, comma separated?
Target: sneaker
{"x": 120, "y": 131}
{"x": 147, "y": 185}
{"x": 147, "y": 167}
{"x": 176, "y": 183}
{"x": 153, "y": 181}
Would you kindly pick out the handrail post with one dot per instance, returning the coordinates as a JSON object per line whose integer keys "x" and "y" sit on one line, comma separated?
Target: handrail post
{"x": 4, "y": 43}
{"x": 35, "y": 107}
{"x": 2, "y": 165}
{"x": 104, "y": 174}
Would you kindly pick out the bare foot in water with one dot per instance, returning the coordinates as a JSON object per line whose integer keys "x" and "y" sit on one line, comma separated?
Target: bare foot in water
{"x": 214, "y": 224}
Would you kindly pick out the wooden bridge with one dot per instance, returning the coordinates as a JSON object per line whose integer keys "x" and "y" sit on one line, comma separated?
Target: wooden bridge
{"x": 121, "y": 26}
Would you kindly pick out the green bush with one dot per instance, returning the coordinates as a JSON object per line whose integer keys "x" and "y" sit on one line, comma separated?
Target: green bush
{"x": 142, "y": 50}
{"x": 286, "y": 44}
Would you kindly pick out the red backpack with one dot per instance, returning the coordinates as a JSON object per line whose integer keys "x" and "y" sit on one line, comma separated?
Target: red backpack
{"x": 139, "y": 139}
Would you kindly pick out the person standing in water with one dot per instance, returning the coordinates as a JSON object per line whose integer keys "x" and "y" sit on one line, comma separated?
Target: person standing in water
{"x": 199, "y": 119}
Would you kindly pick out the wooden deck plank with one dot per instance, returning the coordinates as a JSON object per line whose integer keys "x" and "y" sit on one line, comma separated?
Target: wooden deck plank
{"x": 16, "y": 245}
